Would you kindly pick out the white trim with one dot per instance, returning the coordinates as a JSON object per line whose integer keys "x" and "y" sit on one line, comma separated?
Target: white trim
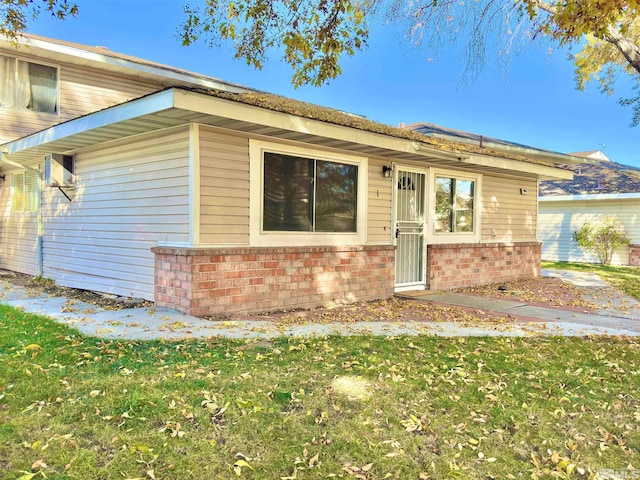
{"x": 201, "y": 246}
{"x": 590, "y": 196}
{"x": 194, "y": 184}
{"x": 159, "y": 70}
{"x": 258, "y": 238}
{"x": 460, "y": 237}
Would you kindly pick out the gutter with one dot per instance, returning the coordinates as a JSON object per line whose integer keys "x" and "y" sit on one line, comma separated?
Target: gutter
{"x": 40, "y": 220}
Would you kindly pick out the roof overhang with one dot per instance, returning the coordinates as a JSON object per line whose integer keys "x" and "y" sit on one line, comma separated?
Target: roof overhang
{"x": 174, "y": 107}
{"x": 95, "y": 56}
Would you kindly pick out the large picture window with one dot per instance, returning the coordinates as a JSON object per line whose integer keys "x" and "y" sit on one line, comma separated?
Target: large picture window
{"x": 454, "y": 209}
{"x": 28, "y": 86}
{"x": 308, "y": 195}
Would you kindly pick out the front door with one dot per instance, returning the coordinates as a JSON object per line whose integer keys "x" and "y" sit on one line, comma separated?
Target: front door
{"x": 409, "y": 217}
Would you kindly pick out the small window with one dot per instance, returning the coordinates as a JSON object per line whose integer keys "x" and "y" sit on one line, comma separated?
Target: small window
{"x": 28, "y": 86}
{"x": 308, "y": 195}
{"x": 24, "y": 192}
{"x": 455, "y": 200}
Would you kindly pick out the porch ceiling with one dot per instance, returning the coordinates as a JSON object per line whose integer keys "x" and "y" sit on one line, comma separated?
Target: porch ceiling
{"x": 172, "y": 108}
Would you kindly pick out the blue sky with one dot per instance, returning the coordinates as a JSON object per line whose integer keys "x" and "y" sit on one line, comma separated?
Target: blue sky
{"x": 534, "y": 102}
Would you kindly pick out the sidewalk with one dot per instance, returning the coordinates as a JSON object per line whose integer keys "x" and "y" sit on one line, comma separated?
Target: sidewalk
{"x": 161, "y": 323}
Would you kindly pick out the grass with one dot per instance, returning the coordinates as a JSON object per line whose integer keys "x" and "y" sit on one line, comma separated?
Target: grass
{"x": 74, "y": 407}
{"x": 625, "y": 278}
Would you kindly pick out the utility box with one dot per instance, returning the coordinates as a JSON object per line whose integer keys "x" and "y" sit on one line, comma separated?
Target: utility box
{"x": 59, "y": 170}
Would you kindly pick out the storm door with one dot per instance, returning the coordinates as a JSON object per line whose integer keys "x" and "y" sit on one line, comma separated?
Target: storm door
{"x": 410, "y": 222}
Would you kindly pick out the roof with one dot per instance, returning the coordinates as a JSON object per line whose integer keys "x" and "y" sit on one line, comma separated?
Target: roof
{"x": 456, "y": 148}
{"x": 603, "y": 177}
{"x": 488, "y": 143}
{"x": 80, "y": 54}
{"x": 593, "y": 154}
{"x": 265, "y": 116}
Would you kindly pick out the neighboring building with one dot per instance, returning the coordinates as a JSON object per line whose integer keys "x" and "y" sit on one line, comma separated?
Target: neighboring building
{"x": 137, "y": 179}
{"x": 599, "y": 189}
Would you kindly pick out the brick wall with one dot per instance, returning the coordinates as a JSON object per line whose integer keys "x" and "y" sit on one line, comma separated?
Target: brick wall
{"x": 634, "y": 255}
{"x": 462, "y": 265}
{"x": 205, "y": 282}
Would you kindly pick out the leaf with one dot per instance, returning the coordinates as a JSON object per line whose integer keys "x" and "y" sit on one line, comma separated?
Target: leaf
{"x": 313, "y": 460}
{"x": 27, "y": 476}
{"x": 33, "y": 347}
{"x": 239, "y": 465}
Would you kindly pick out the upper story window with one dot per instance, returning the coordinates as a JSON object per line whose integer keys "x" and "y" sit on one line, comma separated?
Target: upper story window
{"x": 28, "y": 86}
{"x": 24, "y": 191}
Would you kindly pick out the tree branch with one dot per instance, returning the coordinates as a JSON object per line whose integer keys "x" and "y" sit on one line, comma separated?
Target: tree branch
{"x": 626, "y": 46}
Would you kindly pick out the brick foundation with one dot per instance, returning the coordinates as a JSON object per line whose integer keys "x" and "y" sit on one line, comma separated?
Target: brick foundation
{"x": 634, "y": 255}
{"x": 203, "y": 282}
{"x": 463, "y": 265}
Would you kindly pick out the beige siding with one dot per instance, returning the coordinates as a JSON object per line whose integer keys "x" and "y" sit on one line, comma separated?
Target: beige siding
{"x": 18, "y": 233}
{"x": 558, "y": 221}
{"x": 507, "y": 215}
{"x": 82, "y": 90}
{"x": 379, "y": 204}
{"x": 129, "y": 196}
{"x": 224, "y": 188}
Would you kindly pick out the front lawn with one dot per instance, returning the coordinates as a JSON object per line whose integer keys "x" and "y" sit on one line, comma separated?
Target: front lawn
{"x": 73, "y": 407}
{"x": 625, "y": 278}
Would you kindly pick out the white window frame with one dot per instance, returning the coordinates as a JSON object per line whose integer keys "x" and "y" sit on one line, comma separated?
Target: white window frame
{"x": 259, "y": 237}
{"x": 45, "y": 64}
{"x": 27, "y": 206}
{"x": 454, "y": 237}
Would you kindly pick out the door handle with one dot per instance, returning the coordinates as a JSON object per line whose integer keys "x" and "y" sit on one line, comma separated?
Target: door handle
{"x": 397, "y": 232}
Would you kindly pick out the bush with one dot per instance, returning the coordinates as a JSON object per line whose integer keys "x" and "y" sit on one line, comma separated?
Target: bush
{"x": 602, "y": 238}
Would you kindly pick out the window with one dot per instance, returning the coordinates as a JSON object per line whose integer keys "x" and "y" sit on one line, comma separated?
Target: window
{"x": 455, "y": 205}
{"x": 308, "y": 195}
{"x": 301, "y": 196}
{"x": 24, "y": 191}
{"x": 29, "y": 86}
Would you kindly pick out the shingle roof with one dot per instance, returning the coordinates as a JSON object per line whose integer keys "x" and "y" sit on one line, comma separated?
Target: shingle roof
{"x": 602, "y": 177}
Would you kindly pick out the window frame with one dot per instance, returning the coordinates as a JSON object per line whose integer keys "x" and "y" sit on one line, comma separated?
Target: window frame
{"x": 30, "y": 201}
{"x": 260, "y": 237}
{"x": 17, "y": 59}
{"x": 455, "y": 237}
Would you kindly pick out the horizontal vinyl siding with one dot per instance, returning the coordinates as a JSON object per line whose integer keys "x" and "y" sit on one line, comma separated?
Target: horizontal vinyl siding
{"x": 558, "y": 220}
{"x": 18, "y": 233}
{"x": 82, "y": 90}
{"x": 507, "y": 215}
{"x": 379, "y": 204}
{"x": 224, "y": 188}
{"x": 129, "y": 196}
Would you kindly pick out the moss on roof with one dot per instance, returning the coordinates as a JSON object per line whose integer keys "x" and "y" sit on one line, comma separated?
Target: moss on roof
{"x": 281, "y": 104}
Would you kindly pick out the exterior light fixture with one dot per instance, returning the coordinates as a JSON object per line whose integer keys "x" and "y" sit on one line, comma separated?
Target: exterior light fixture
{"x": 387, "y": 171}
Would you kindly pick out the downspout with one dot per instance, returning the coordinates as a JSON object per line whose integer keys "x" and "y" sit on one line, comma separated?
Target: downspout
{"x": 4, "y": 159}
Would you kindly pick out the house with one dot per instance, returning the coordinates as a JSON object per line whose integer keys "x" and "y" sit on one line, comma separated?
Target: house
{"x": 599, "y": 188}
{"x": 137, "y": 179}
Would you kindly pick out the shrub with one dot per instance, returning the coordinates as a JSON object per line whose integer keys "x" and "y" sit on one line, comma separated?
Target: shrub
{"x": 601, "y": 238}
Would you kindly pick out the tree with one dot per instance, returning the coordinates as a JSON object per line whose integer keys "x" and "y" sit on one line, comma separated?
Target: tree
{"x": 602, "y": 238}
{"x": 15, "y": 14}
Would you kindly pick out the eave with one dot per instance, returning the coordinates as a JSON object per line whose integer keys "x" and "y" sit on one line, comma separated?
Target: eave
{"x": 174, "y": 107}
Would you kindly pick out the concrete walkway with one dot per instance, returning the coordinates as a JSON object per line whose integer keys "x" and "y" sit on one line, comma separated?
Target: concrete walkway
{"x": 160, "y": 323}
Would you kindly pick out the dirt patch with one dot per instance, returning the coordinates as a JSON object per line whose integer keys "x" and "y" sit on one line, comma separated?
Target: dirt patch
{"x": 36, "y": 286}
{"x": 539, "y": 291}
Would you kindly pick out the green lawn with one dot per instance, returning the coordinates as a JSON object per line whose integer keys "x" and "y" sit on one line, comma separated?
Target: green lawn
{"x": 73, "y": 407}
{"x": 625, "y": 278}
